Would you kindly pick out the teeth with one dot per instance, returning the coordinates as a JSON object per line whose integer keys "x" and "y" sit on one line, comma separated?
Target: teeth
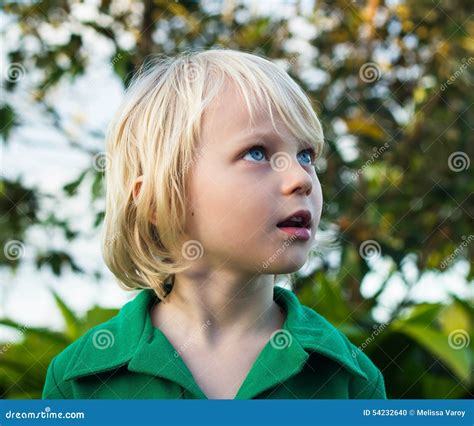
{"x": 296, "y": 219}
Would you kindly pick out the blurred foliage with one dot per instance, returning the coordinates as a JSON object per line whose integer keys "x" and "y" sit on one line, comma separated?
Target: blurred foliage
{"x": 396, "y": 88}
{"x": 23, "y": 363}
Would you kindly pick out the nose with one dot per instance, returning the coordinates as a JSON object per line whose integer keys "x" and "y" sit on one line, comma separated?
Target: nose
{"x": 296, "y": 179}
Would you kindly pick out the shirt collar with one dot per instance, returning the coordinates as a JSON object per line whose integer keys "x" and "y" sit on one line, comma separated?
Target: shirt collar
{"x": 129, "y": 337}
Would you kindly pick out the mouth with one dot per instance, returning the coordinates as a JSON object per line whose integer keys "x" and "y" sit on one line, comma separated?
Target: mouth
{"x": 297, "y": 224}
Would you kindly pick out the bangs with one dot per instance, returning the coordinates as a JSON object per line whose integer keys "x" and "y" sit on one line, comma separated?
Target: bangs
{"x": 266, "y": 87}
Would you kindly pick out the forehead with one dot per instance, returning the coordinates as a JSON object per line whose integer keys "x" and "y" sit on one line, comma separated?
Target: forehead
{"x": 227, "y": 120}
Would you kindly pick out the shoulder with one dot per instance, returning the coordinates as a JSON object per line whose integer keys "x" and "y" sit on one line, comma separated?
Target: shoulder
{"x": 103, "y": 347}
{"x": 56, "y": 386}
{"x": 366, "y": 381}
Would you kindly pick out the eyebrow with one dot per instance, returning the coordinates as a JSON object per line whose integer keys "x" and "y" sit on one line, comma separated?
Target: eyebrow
{"x": 269, "y": 136}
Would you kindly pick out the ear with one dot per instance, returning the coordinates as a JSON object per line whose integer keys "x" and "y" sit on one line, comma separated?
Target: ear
{"x": 136, "y": 187}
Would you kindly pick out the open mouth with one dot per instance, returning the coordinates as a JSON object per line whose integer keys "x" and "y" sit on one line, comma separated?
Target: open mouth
{"x": 292, "y": 224}
{"x": 299, "y": 219}
{"x": 297, "y": 225}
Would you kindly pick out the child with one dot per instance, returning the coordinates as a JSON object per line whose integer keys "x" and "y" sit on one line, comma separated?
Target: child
{"x": 203, "y": 227}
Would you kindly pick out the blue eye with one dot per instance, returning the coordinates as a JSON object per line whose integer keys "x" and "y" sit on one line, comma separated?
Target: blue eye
{"x": 310, "y": 154}
{"x": 255, "y": 148}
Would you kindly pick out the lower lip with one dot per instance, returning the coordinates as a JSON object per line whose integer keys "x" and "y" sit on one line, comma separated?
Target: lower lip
{"x": 300, "y": 233}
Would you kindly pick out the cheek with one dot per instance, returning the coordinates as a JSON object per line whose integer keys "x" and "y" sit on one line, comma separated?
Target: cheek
{"x": 317, "y": 200}
{"x": 213, "y": 199}
{"x": 234, "y": 211}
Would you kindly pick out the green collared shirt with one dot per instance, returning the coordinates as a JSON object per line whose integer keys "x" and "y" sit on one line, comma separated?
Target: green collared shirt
{"x": 127, "y": 357}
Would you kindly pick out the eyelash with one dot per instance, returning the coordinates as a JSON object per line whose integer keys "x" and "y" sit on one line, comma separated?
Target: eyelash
{"x": 311, "y": 151}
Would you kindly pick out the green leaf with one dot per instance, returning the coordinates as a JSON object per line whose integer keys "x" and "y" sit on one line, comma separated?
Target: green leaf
{"x": 98, "y": 315}
{"x": 425, "y": 313}
{"x": 458, "y": 360}
{"x": 97, "y": 186}
{"x": 99, "y": 218}
{"x": 42, "y": 333}
{"x": 8, "y": 120}
{"x": 73, "y": 324}
{"x": 71, "y": 187}
{"x": 455, "y": 317}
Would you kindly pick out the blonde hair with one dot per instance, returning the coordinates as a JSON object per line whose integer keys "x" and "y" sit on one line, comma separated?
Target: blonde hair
{"x": 155, "y": 133}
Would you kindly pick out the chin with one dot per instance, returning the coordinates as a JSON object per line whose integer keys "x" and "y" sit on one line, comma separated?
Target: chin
{"x": 285, "y": 266}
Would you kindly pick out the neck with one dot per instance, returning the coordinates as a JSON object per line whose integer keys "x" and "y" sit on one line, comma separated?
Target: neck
{"x": 223, "y": 305}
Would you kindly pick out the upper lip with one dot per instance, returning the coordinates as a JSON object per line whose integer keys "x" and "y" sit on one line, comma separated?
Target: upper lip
{"x": 304, "y": 214}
